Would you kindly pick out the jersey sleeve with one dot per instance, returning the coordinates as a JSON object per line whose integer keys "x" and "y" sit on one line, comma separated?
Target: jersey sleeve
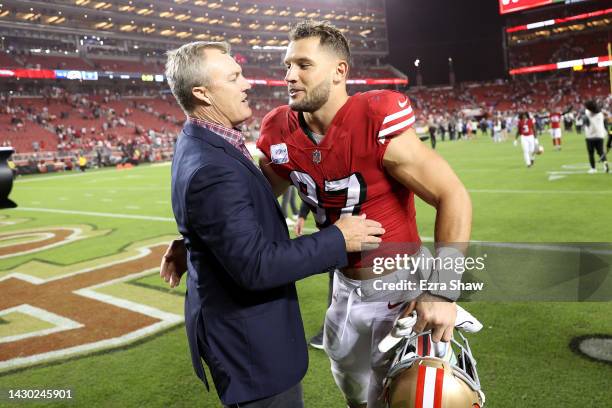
{"x": 390, "y": 114}
{"x": 270, "y": 142}
{"x": 266, "y": 133}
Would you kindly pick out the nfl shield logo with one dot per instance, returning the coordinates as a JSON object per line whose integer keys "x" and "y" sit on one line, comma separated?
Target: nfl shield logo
{"x": 316, "y": 157}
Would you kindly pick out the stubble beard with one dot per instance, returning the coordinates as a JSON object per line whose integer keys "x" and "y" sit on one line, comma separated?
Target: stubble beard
{"x": 313, "y": 101}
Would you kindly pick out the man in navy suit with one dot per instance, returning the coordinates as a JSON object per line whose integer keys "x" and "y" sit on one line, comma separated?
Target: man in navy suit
{"x": 241, "y": 310}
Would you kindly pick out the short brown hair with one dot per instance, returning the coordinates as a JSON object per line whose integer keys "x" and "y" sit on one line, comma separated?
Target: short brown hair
{"x": 186, "y": 68}
{"x": 329, "y": 36}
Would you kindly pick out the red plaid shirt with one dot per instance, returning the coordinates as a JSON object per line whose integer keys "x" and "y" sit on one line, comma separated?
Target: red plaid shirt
{"x": 232, "y": 136}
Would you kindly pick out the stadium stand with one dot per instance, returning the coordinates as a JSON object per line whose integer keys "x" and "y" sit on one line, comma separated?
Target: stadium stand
{"x": 560, "y": 49}
{"x": 54, "y": 62}
{"x": 61, "y": 117}
{"x": 6, "y": 61}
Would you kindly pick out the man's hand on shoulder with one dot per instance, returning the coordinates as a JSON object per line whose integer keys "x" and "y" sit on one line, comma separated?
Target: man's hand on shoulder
{"x": 358, "y": 231}
{"x": 174, "y": 262}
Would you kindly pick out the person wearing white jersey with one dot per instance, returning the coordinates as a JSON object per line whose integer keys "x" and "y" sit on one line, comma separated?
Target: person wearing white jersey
{"x": 595, "y": 133}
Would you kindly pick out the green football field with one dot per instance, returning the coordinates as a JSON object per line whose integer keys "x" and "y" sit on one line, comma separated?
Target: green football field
{"x": 523, "y": 352}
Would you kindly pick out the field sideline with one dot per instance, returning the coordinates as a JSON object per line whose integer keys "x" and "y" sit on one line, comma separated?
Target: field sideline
{"x": 523, "y": 351}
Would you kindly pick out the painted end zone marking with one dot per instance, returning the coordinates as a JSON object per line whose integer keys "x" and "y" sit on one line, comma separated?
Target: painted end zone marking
{"x": 100, "y": 345}
{"x": 27, "y": 241}
{"x": 60, "y": 323}
{"x": 71, "y": 303}
{"x": 31, "y": 238}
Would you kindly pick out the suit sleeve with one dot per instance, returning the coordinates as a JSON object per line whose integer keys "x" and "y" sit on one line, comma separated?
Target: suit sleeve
{"x": 221, "y": 212}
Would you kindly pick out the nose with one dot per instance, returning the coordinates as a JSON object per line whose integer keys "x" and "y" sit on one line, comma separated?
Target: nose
{"x": 246, "y": 85}
{"x": 291, "y": 75}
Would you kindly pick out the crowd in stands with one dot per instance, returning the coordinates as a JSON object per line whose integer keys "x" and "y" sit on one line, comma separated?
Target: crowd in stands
{"x": 256, "y": 64}
{"x": 559, "y": 90}
{"x": 549, "y": 51}
{"x": 51, "y": 124}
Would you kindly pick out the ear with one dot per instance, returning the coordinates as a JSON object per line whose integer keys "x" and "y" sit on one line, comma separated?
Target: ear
{"x": 201, "y": 93}
{"x": 341, "y": 72}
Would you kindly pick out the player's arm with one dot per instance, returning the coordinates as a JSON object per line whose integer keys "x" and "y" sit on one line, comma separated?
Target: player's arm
{"x": 429, "y": 176}
{"x": 279, "y": 184}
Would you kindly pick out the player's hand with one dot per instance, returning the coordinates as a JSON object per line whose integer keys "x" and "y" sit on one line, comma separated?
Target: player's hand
{"x": 298, "y": 228}
{"x": 358, "y": 231}
{"x": 433, "y": 313}
{"x": 174, "y": 263}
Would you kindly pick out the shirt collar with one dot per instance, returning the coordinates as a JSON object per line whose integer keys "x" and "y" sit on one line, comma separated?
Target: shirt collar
{"x": 220, "y": 129}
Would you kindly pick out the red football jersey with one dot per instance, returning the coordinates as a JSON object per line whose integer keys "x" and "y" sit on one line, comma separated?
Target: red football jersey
{"x": 526, "y": 127}
{"x": 555, "y": 120}
{"x": 344, "y": 173}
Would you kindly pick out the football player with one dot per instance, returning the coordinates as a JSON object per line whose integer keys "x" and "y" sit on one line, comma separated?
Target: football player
{"x": 359, "y": 154}
{"x": 555, "y": 128}
{"x": 526, "y": 132}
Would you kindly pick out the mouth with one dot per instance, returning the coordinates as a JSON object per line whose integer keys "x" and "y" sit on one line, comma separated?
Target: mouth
{"x": 294, "y": 92}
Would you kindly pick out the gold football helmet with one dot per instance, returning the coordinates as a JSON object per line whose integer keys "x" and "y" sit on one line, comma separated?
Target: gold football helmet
{"x": 425, "y": 374}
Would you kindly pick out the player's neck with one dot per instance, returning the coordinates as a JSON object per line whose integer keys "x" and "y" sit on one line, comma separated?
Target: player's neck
{"x": 320, "y": 120}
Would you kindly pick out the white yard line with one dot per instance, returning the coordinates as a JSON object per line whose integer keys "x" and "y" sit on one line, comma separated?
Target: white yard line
{"x": 34, "y": 179}
{"x": 95, "y": 214}
{"x": 101, "y": 173}
{"x": 493, "y": 191}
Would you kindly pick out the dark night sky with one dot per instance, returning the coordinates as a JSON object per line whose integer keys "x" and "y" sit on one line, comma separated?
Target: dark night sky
{"x": 469, "y": 31}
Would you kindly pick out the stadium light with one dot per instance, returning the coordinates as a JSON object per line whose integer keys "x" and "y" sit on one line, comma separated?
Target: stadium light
{"x": 417, "y": 62}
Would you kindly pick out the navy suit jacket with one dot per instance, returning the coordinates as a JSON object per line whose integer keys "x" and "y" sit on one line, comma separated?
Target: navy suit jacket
{"x": 241, "y": 309}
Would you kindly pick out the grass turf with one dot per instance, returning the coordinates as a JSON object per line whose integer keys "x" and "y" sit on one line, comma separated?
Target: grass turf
{"x": 523, "y": 353}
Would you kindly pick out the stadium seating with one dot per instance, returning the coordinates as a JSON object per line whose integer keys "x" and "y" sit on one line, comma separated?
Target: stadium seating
{"x": 6, "y": 61}
{"x": 23, "y": 138}
{"x": 55, "y": 62}
{"x": 561, "y": 49}
{"x": 125, "y": 66}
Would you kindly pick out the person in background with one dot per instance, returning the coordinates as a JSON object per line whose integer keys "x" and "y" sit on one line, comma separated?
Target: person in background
{"x": 287, "y": 200}
{"x": 579, "y": 122}
{"x": 315, "y": 341}
{"x": 525, "y": 131}
{"x": 82, "y": 161}
{"x": 595, "y": 133}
